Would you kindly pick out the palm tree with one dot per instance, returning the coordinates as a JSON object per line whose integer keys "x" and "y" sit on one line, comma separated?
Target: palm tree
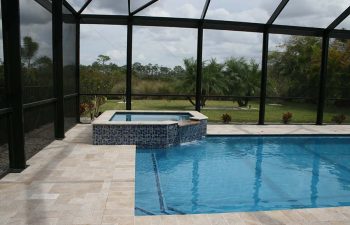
{"x": 212, "y": 82}
{"x": 29, "y": 50}
{"x": 188, "y": 83}
{"x": 242, "y": 79}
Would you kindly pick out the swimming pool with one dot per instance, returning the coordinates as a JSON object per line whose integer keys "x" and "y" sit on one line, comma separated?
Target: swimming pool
{"x": 150, "y": 116}
{"x": 228, "y": 174}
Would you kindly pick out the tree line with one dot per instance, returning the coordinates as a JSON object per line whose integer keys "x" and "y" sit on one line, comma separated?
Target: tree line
{"x": 293, "y": 72}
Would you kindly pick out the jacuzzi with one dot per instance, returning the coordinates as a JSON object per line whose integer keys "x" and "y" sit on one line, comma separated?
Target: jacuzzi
{"x": 148, "y": 129}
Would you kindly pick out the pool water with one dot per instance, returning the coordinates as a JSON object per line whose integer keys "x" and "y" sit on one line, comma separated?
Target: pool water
{"x": 229, "y": 174}
{"x": 150, "y": 117}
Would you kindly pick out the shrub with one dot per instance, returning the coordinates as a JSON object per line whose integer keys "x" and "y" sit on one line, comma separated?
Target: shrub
{"x": 287, "y": 117}
{"x": 226, "y": 118}
{"x": 90, "y": 108}
{"x": 82, "y": 108}
{"x": 339, "y": 119}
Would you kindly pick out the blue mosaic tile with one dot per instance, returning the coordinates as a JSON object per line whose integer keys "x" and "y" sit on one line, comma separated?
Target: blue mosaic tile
{"x": 148, "y": 136}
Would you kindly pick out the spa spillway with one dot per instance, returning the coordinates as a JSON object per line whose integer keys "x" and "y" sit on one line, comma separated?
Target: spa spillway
{"x": 148, "y": 129}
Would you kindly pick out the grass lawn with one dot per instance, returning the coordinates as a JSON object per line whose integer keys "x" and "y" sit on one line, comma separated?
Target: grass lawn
{"x": 302, "y": 112}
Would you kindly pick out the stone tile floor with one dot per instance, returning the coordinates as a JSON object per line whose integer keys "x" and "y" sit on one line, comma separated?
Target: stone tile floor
{"x": 74, "y": 182}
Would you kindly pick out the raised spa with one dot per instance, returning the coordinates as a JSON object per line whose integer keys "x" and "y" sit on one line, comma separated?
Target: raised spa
{"x": 150, "y": 117}
{"x": 148, "y": 129}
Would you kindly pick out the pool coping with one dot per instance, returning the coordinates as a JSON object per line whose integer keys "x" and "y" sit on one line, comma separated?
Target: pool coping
{"x": 282, "y": 130}
{"x": 104, "y": 118}
{"x": 276, "y": 135}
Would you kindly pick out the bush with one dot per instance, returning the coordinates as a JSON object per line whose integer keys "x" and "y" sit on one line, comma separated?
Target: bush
{"x": 83, "y": 107}
{"x": 226, "y": 118}
{"x": 339, "y": 119}
{"x": 287, "y": 117}
{"x": 90, "y": 109}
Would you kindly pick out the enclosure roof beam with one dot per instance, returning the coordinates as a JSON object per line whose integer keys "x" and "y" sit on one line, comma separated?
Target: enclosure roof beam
{"x": 103, "y": 19}
{"x": 277, "y": 12}
{"x": 342, "y": 34}
{"x": 233, "y": 25}
{"x": 142, "y": 7}
{"x": 69, "y": 7}
{"x": 339, "y": 19}
{"x": 209, "y": 24}
{"x": 165, "y": 22}
{"x": 295, "y": 30}
{"x": 205, "y": 9}
{"x": 45, "y": 4}
{"x": 86, "y": 4}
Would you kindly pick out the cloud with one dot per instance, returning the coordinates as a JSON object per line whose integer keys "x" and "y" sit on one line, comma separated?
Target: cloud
{"x": 188, "y": 10}
{"x": 32, "y": 13}
{"x": 249, "y": 11}
{"x": 117, "y": 55}
{"x": 102, "y": 39}
{"x": 175, "y": 8}
{"x": 113, "y": 6}
{"x": 155, "y": 11}
{"x": 312, "y": 13}
{"x": 251, "y": 15}
{"x": 225, "y": 44}
{"x": 135, "y": 4}
{"x": 40, "y": 33}
{"x": 345, "y": 24}
{"x": 164, "y": 46}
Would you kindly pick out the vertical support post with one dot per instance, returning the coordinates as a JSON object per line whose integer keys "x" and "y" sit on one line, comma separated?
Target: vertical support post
{"x": 57, "y": 35}
{"x": 323, "y": 77}
{"x": 129, "y": 65}
{"x": 77, "y": 67}
{"x": 12, "y": 67}
{"x": 263, "y": 82}
{"x": 199, "y": 67}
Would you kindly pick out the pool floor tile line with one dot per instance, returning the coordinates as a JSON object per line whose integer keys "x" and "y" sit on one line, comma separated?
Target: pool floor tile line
{"x": 176, "y": 210}
{"x": 164, "y": 208}
{"x": 144, "y": 211}
{"x": 159, "y": 189}
{"x": 82, "y": 192}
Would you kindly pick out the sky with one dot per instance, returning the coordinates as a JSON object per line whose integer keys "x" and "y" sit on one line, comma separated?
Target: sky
{"x": 169, "y": 46}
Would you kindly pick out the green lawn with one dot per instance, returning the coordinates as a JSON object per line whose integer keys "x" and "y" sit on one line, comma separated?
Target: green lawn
{"x": 302, "y": 112}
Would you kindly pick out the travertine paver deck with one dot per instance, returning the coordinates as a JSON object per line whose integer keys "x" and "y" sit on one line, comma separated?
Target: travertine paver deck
{"x": 74, "y": 182}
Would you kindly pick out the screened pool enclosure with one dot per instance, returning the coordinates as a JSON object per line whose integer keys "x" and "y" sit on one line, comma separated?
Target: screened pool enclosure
{"x": 300, "y": 62}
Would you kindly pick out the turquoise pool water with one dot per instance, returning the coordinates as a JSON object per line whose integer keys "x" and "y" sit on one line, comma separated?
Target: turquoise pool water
{"x": 150, "y": 116}
{"x": 228, "y": 174}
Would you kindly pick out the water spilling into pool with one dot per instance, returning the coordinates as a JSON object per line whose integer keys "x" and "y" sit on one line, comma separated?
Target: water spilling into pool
{"x": 228, "y": 174}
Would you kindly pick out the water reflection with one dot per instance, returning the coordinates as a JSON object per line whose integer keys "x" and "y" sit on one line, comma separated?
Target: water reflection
{"x": 315, "y": 180}
{"x": 195, "y": 183}
{"x": 257, "y": 183}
